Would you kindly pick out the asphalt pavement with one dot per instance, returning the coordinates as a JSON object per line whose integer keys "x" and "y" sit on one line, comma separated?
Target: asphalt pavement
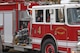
{"x": 19, "y": 52}
{"x": 14, "y": 51}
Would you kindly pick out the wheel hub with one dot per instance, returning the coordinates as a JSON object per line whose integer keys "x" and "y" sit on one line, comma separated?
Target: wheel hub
{"x": 49, "y": 49}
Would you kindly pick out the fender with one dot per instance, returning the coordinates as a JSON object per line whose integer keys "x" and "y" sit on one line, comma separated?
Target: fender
{"x": 47, "y": 36}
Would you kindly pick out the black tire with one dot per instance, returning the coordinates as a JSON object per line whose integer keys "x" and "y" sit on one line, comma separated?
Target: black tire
{"x": 47, "y": 42}
{"x": 5, "y": 49}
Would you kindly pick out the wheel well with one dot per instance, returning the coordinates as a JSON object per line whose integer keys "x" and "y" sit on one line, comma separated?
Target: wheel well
{"x": 48, "y": 37}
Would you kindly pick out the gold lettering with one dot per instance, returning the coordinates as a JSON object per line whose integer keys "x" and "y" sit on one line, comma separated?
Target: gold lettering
{"x": 39, "y": 30}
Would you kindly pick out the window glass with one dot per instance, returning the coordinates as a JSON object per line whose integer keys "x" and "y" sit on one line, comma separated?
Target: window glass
{"x": 73, "y": 16}
{"x": 59, "y": 15}
{"x": 39, "y": 15}
{"x": 47, "y": 16}
{"x": 23, "y": 14}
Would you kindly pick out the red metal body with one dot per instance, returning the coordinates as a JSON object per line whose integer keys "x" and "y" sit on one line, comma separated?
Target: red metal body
{"x": 59, "y": 32}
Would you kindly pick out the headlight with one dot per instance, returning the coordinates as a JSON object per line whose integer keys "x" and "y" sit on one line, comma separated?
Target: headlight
{"x": 72, "y": 51}
{"x": 78, "y": 32}
{"x": 78, "y": 35}
{"x": 78, "y": 44}
{"x": 75, "y": 52}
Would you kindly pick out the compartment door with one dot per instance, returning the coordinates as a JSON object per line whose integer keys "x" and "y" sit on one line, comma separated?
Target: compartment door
{"x": 8, "y": 27}
{"x": 1, "y": 19}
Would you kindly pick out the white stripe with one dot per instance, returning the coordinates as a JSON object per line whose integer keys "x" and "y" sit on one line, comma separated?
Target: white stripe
{"x": 62, "y": 51}
{"x": 66, "y": 43}
{"x": 19, "y": 7}
{"x": 60, "y": 43}
{"x": 4, "y": 3}
{"x": 36, "y": 40}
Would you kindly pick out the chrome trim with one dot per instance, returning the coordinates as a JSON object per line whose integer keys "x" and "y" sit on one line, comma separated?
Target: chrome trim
{"x": 36, "y": 49}
{"x": 62, "y": 51}
{"x": 36, "y": 40}
{"x": 11, "y": 45}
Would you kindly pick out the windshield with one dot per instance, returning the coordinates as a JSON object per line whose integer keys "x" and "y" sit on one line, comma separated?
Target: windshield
{"x": 73, "y": 15}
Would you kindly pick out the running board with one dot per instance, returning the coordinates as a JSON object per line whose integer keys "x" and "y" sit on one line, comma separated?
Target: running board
{"x": 18, "y": 47}
{"x": 22, "y": 48}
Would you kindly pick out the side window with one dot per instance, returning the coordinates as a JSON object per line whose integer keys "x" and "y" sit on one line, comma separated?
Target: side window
{"x": 60, "y": 15}
{"x": 47, "y": 16}
{"x": 39, "y": 15}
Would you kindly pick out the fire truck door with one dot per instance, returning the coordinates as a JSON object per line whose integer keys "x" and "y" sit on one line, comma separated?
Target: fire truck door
{"x": 1, "y": 19}
{"x": 38, "y": 24}
{"x": 8, "y": 27}
{"x": 60, "y": 29}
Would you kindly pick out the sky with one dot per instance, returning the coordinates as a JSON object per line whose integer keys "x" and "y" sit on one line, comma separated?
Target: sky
{"x": 65, "y": 1}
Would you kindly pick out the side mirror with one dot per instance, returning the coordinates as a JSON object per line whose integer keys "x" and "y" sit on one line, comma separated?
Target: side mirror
{"x": 51, "y": 11}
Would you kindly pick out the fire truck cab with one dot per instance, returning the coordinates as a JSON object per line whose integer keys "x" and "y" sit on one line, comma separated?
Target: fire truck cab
{"x": 46, "y": 28}
{"x": 58, "y": 24}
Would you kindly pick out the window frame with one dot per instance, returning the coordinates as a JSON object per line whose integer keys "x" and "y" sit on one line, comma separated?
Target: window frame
{"x": 46, "y": 16}
{"x": 34, "y": 17}
{"x": 63, "y": 16}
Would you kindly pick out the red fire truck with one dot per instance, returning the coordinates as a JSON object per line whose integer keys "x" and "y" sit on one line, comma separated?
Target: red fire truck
{"x": 46, "y": 28}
